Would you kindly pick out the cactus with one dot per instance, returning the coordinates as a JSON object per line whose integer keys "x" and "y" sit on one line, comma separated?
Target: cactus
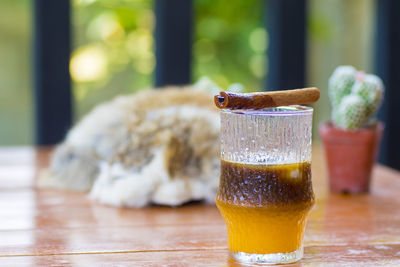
{"x": 355, "y": 97}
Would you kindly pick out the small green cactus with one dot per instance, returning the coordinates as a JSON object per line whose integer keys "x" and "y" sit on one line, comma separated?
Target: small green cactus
{"x": 355, "y": 97}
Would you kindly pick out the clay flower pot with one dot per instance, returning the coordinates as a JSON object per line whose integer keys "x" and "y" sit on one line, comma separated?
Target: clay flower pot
{"x": 350, "y": 156}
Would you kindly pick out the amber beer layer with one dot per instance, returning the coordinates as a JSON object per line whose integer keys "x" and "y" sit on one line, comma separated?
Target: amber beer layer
{"x": 265, "y": 206}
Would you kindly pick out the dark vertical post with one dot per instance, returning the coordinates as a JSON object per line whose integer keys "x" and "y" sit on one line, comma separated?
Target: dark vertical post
{"x": 387, "y": 63}
{"x": 173, "y": 42}
{"x": 52, "y": 85}
{"x": 286, "y": 24}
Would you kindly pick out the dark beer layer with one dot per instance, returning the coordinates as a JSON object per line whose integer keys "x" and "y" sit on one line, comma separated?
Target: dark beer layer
{"x": 258, "y": 185}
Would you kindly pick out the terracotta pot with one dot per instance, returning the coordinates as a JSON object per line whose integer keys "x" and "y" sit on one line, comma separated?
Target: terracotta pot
{"x": 350, "y": 156}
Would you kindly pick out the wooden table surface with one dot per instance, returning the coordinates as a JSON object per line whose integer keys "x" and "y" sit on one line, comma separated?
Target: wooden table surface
{"x": 56, "y": 228}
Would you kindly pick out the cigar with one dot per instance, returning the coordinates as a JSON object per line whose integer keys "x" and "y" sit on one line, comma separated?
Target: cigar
{"x": 270, "y": 99}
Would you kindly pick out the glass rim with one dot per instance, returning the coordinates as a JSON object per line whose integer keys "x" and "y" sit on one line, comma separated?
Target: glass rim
{"x": 295, "y": 110}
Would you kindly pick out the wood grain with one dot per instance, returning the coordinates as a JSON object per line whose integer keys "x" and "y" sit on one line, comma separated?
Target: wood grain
{"x": 59, "y": 228}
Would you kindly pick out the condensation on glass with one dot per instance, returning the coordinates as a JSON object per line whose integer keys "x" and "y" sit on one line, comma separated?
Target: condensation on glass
{"x": 270, "y": 136}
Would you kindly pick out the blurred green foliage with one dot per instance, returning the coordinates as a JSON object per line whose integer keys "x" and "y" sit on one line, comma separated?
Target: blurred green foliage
{"x": 114, "y": 46}
{"x": 16, "y": 118}
{"x": 230, "y": 42}
{"x": 113, "y": 50}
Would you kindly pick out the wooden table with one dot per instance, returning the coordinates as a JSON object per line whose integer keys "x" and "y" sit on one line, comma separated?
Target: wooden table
{"x": 57, "y": 228}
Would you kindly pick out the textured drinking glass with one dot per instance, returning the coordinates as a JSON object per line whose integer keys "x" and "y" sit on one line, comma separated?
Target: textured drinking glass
{"x": 265, "y": 190}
